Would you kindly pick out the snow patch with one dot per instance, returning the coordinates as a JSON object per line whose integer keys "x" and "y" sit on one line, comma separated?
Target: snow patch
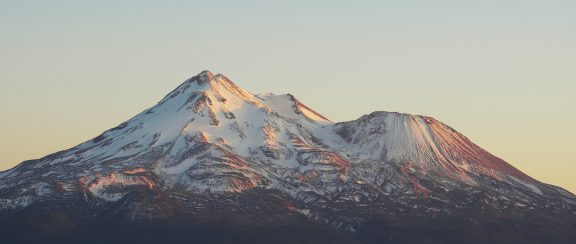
{"x": 530, "y": 186}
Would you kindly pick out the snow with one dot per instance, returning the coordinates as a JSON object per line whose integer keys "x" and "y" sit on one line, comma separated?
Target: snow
{"x": 530, "y": 186}
{"x": 431, "y": 145}
{"x": 41, "y": 189}
{"x": 286, "y": 106}
{"x": 304, "y": 211}
{"x": 16, "y": 203}
{"x": 105, "y": 186}
{"x": 191, "y": 139}
{"x": 180, "y": 168}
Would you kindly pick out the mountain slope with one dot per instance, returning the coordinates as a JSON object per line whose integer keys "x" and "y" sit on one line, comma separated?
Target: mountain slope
{"x": 211, "y": 152}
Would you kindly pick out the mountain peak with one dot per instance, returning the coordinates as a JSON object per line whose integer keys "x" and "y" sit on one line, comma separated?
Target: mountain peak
{"x": 212, "y": 151}
{"x": 205, "y": 75}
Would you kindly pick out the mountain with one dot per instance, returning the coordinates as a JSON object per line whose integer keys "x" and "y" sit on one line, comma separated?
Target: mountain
{"x": 212, "y": 162}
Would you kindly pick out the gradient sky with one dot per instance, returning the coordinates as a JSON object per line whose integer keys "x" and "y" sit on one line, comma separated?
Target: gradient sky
{"x": 500, "y": 72}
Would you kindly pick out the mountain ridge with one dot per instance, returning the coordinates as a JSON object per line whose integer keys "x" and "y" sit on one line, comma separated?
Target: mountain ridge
{"x": 210, "y": 146}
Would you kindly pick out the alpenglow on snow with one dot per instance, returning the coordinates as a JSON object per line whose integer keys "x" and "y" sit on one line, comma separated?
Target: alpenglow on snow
{"x": 212, "y": 151}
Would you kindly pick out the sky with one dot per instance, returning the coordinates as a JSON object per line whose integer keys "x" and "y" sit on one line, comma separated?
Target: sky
{"x": 500, "y": 72}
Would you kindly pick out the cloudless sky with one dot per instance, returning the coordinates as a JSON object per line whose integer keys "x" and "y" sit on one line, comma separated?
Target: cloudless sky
{"x": 502, "y": 72}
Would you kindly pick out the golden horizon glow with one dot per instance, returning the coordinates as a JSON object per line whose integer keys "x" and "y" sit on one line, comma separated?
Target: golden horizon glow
{"x": 499, "y": 72}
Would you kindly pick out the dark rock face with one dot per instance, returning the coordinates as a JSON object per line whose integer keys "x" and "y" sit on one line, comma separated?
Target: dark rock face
{"x": 212, "y": 163}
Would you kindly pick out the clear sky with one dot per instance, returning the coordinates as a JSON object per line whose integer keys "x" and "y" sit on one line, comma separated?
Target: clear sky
{"x": 501, "y": 72}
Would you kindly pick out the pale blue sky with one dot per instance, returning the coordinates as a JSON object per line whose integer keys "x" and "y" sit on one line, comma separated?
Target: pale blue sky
{"x": 501, "y": 72}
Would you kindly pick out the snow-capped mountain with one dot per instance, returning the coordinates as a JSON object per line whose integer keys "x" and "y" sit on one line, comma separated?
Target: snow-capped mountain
{"x": 211, "y": 152}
